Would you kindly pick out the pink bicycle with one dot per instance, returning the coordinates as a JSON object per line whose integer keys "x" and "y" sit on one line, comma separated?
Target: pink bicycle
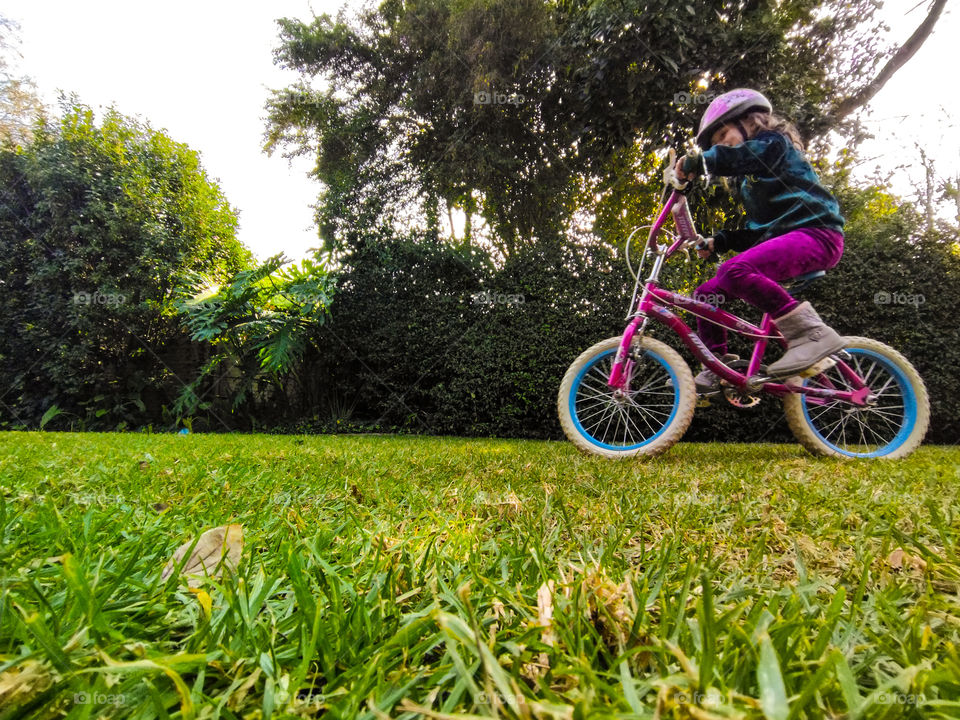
{"x": 635, "y": 396}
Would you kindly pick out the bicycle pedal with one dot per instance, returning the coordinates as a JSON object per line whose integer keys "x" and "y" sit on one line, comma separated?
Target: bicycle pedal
{"x": 818, "y": 367}
{"x": 703, "y": 402}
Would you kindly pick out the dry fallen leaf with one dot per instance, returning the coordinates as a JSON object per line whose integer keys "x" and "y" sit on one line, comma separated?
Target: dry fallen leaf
{"x": 545, "y": 611}
{"x": 18, "y": 685}
{"x": 899, "y": 559}
{"x": 612, "y": 606}
{"x": 215, "y": 548}
{"x": 237, "y": 696}
{"x": 537, "y": 669}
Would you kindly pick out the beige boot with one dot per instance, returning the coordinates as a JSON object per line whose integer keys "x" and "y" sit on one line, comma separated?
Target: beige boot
{"x": 808, "y": 340}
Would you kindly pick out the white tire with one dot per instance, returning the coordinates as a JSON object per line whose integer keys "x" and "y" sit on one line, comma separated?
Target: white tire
{"x": 891, "y": 428}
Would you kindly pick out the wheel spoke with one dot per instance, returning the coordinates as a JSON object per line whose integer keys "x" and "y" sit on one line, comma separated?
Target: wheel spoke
{"x": 882, "y": 391}
{"x": 606, "y": 427}
{"x": 880, "y": 439}
{"x": 600, "y": 417}
{"x": 823, "y": 411}
{"x": 827, "y": 432}
{"x": 602, "y": 412}
{"x": 863, "y": 440}
{"x": 644, "y": 412}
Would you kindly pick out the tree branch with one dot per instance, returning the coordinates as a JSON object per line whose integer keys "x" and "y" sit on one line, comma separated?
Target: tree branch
{"x": 899, "y": 59}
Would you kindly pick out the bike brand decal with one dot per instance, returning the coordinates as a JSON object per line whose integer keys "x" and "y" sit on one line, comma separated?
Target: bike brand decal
{"x": 683, "y": 220}
{"x": 695, "y": 340}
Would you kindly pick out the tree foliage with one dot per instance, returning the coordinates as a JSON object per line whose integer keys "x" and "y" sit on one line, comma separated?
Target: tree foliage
{"x": 20, "y": 106}
{"x": 261, "y": 321}
{"x": 98, "y": 221}
{"x": 428, "y": 339}
{"x": 507, "y": 110}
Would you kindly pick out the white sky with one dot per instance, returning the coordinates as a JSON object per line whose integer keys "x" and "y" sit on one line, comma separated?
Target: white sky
{"x": 920, "y": 104}
{"x": 202, "y": 70}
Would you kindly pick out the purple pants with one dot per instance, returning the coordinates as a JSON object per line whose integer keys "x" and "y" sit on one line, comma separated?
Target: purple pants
{"x": 754, "y": 276}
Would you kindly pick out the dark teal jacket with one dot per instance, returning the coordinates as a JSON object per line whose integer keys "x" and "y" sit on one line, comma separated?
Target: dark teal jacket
{"x": 779, "y": 189}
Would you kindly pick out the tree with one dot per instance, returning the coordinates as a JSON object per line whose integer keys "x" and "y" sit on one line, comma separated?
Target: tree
{"x": 897, "y": 60}
{"x": 507, "y": 109}
{"x": 98, "y": 223}
{"x": 20, "y": 106}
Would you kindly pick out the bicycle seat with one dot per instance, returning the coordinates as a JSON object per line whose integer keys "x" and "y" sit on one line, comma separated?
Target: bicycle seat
{"x": 799, "y": 282}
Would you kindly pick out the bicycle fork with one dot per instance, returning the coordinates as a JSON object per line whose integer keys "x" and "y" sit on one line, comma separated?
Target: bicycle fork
{"x": 625, "y": 359}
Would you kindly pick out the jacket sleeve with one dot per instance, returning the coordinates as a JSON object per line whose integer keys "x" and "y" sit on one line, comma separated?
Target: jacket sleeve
{"x": 738, "y": 240}
{"x": 759, "y": 156}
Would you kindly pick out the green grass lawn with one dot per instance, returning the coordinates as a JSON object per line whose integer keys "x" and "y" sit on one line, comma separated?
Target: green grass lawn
{"x": 446, "y": 578}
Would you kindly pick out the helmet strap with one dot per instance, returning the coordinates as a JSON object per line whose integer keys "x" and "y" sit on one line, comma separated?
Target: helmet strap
{"x": 741, "y": 128}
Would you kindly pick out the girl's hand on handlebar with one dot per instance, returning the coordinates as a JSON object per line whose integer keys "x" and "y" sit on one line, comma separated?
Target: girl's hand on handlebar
{"x": 705, "y": 247}
{"x": 689, "y": 166}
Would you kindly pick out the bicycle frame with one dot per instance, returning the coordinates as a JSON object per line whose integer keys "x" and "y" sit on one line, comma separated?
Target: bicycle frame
{"x": 655, "y": 303}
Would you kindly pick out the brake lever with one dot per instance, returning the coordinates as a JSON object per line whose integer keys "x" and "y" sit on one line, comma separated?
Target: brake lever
{"x": 670, "y": 178}
{"x": 699, "y": 244}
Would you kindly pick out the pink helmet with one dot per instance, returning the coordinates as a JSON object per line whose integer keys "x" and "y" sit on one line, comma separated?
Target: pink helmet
{"x": 727, "y": 107}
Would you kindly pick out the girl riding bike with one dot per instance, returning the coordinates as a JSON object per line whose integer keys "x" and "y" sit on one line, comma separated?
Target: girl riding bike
{"x": 634, "y": 395}
{"x": 793, "y": 226}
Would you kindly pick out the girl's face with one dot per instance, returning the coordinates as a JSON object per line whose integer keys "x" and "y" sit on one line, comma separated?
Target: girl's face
{"x": 727, "y": 135}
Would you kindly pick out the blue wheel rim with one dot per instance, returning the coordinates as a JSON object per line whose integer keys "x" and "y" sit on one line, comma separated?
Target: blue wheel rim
{"x": 910, "y": 408}
{"x": 575, "y": 386}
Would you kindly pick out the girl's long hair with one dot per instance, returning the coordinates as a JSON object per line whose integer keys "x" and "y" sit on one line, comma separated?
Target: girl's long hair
{"x": 777, "y": 124}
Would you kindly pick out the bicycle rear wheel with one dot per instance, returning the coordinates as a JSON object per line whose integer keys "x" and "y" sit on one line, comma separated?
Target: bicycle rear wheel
{"x": 892, "y": 426}
{"x": 644, "y": 421}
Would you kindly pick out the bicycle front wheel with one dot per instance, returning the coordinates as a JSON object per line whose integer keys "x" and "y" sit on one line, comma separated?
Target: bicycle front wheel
{"x": 645, "y": 420}
{"x": 891, "y": 426}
